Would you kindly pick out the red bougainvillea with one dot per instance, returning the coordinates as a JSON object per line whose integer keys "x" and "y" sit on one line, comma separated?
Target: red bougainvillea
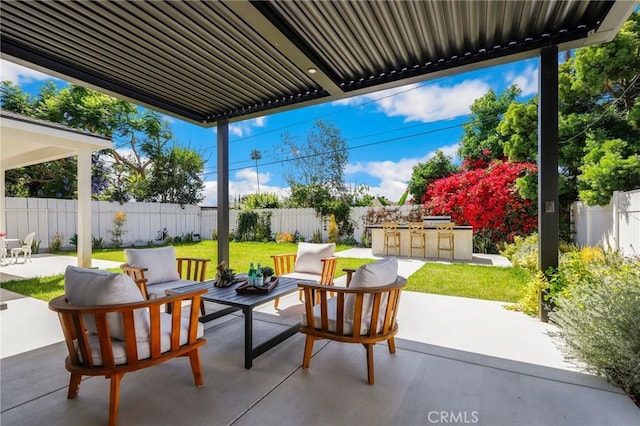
{"x": 487, "y": 199}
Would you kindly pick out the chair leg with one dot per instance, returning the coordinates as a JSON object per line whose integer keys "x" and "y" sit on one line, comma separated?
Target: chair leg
{"x": 369, "y": 348}
{"x": 114, "y": 399}
{"x": 308, "y": 350}
{"x": 194, "y": 359}
{"x": 276, "y": 303}
{"x": 202, "y": 310}
{"x": 392, "y": 345}
{"x": 74, "y": 385}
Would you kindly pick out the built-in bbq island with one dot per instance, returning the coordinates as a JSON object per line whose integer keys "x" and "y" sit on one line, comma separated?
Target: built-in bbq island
{"x": 463, "y": 236}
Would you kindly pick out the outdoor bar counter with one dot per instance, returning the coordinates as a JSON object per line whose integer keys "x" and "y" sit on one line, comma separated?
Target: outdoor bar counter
{"x": 463, "y": 237}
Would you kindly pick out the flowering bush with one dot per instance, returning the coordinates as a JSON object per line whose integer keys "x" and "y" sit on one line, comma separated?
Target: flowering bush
{"x": 285, "y": 237}
{"x": 487, "y": 199}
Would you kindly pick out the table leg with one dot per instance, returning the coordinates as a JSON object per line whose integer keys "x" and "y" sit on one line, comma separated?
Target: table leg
{"x": 248, "y": 337}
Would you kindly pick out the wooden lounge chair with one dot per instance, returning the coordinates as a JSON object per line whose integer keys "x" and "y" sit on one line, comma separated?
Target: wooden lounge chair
{"x": 362, "y": 313}
{"x": 112, "y": 339}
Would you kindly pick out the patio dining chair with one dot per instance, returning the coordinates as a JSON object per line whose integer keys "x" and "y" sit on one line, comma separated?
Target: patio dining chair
{"x": 25, "y": 248}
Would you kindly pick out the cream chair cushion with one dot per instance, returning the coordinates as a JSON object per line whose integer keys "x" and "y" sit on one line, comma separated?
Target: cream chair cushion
{"x": 159, "y": 261}
{"x": 92, "y": 287}
{"x": 310, "y": 255}
{"x": 377, "y": 274}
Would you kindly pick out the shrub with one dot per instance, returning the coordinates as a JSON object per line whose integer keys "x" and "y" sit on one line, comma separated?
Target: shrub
{"x": 598, "y": 314}
{"x": 35, "y": 246}
{"x": 253, "y": 226}
{"x": 350, "y": 240}
{"x": 523, "y": 252}
{"x": 316, "y": 237}
{"x": 334, "y": 233}
{"x": 56, "y": 242}
{"x": 365, "y": 240}
{"x": 98, "y": 243}
{"x": 530, "y": 301}
{"x": 119, "y": 220}
{"x": 74, "y": 240}
{"x": 487, "y": 199}
{"x": 285, "y": 237}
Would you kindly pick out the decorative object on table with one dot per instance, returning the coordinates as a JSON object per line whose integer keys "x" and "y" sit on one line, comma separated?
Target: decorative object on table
{"x": 225, "y": 276}
{"x": 267, "y": 272}
{"x": 269, "y": 285}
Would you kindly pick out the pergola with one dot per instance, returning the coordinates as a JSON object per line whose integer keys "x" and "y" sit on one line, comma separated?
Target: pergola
{"x": 25, "y": 141}
{"x": 215, "y": 62}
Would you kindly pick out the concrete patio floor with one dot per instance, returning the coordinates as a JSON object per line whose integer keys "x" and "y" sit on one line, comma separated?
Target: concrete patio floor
{"x": 458, "y": 361}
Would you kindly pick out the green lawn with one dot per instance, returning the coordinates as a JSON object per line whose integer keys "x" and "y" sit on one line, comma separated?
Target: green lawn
{"x": 482, "y": 282}
{"x": 474, "y": 281}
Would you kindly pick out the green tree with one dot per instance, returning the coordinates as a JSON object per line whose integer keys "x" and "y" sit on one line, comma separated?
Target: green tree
{"x": 611, "y": 165}
{"x": 175, "y": 176}
{"x": 256, "y": 156}
{"x": 145, "y": 135}
{"x": 480, "y": 139}
{"x": 437, "y": 167}
{"x": 519, "y": 131}
{"x": 261, "y": 201}
{"x": 316, "y": 166}
{"x": 316, "y": 172}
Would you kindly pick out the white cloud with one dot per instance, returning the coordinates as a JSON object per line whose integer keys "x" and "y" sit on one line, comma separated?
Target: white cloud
{"x": 394, "y": 176}
{"x": 243, "y": 183}
{"x": 425, "y": 103}
{"x": 245, "y": 128}
{"x": 527, "y": 80}
{"x": 19, "y": 74}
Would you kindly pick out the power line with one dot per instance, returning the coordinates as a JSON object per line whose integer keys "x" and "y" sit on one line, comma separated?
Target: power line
{"x": 351, "y": 148}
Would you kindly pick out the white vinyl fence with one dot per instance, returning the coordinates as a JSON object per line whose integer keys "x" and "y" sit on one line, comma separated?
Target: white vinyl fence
{"x": 615, "y": 226}
{"x": 146, "y": 221}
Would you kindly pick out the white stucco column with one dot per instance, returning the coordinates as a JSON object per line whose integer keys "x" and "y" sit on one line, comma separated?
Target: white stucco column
{"x": 84, "y": 208}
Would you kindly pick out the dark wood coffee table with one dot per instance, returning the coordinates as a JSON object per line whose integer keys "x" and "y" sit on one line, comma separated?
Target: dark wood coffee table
{"x": 246, "y": 303}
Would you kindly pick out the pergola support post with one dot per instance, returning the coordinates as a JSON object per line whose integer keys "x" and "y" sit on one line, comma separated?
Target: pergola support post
{"x": 84, "y": 208}
{"x": 548, "y": 198}
{"x": 223, "y": 191}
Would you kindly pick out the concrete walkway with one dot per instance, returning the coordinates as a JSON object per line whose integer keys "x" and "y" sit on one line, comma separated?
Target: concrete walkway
{"x": 457, "y": 359}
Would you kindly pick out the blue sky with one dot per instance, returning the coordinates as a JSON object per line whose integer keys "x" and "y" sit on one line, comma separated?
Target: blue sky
{"x": 388, "y": 132}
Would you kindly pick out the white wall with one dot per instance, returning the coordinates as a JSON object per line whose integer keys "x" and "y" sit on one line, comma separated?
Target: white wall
{"x": 615, "y": 226}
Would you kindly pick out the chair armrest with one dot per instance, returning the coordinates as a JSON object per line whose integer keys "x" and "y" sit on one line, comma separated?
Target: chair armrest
{"x": 284, "y": 263}
{"x": 328, "y": 270}
{"x": 137, "y": 274}
{"x": 350, "y": 272}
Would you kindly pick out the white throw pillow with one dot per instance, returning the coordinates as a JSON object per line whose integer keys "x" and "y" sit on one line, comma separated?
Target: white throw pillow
{"x": 377, "y": 274}
{"x": 310, "y": 255}
{"x": 92, "y": 287}
{"x": 160, "y": 262}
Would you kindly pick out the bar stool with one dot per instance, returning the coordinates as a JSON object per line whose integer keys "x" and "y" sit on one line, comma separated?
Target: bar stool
{"x": 445, "y": 234}
{"x": 391, "y": 237}
{"x": 417, "y": 238}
